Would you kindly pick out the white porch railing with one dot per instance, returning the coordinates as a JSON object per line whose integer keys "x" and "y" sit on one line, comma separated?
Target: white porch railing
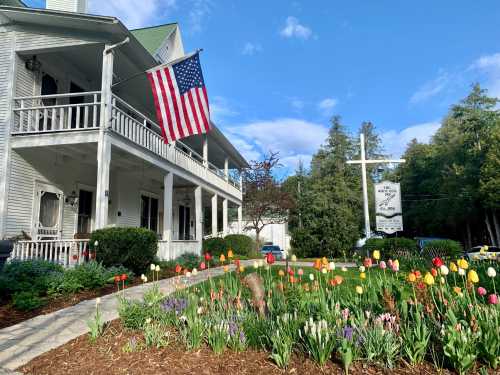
{"x": 177, "y": 248}
{"x": 64, "y": 252}
{"x": 49, "y": 113}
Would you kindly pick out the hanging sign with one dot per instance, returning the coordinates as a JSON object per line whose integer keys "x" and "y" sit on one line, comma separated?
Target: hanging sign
{"x": 388, "y": 207}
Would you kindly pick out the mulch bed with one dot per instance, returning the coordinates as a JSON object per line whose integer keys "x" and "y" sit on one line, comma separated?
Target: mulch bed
{"x": 9, "y": 316}
{"x": 107, "y": 357}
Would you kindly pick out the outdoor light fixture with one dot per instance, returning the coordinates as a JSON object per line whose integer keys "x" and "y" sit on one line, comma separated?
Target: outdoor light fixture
{"x": 72, "y": 199}
{"x": 33, "y": 65}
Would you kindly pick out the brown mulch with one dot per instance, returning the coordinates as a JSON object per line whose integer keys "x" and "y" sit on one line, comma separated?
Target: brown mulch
{"x": 107, "y": 357}
{"x": 9, "y": 316}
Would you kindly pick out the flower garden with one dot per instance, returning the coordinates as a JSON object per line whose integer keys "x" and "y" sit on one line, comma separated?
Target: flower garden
{"x": 385, "y": 315}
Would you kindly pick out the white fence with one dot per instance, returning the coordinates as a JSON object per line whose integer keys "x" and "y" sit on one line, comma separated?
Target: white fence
{"x": 64, "y": 252}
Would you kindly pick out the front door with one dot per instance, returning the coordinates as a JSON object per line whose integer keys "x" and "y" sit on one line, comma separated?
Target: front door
{"x": 48, "y": 211}
{"x": 85, "y": 204}
{"x": 184, "y": 223}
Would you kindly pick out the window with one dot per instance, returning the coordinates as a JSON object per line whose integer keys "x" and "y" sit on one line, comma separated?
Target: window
{"x": 149, "y": 213}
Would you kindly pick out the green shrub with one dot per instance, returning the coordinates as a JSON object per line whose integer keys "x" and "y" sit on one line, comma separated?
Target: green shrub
{"x": 187, "y": 260}
{"x": 240, "y": 244}
{"x": 27, "y": 301}
{"x": 443, "y": 248}
{"x": 395, "y": 247}
{"x": 215, "y": 246}
{"x": 134, "y": 248}
{"x": 133, "y": 314}
{"x": 28, "y": 275}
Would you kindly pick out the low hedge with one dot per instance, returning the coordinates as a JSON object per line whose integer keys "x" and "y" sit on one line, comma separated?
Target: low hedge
{"x": 240, "y": 244}
{"x": 443, "y": 248}
{"x": 133, "y": 248}
{"x": 394, "y": 247}
{"x": 215, "y": 246}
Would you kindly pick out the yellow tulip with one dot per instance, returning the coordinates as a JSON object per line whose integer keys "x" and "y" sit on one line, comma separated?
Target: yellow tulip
{"x": 472, "y": 277}
{"x": 462, "y": 263}
{"x": 457, "y": 290}
{"x": 324, "y": 261}
{"x": 222, "y": 258}
{"x": 359, "y": 289}
{"x": 376, "y": 254}
{"x": 362, "y": 275}
{"x": 396, "y": 262}
{"x": 412, "y": 277}
{"x": 281, "y": 273}
{"x": 226, "y": 268}
{"x": 453, "y": 267}
{"x": 230, "y": 253}
{"x": 429, "y": 279}
{"x": 242, "y": 269}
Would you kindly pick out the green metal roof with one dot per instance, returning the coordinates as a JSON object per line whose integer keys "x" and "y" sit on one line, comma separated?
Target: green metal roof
{"x": 152, "y": 37}
{"x": 12, "y": 3}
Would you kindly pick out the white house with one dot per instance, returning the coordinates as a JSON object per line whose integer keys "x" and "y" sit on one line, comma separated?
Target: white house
{"x": 79, "y": 145}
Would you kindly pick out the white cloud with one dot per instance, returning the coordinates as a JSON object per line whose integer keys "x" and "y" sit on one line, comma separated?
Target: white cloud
{"x": 294, "y": 29}
{"x": 220, "y": 109}
{"x": 297, "y": 104}
{"x": 431, "y": 88}
{"x": 132, "y": 15}
{"x": 251, "y": 49}
{"x": 327, "y": 105}
{"x": 200, "y": 10}
{"x": 490, "y": 66}
{"x": 294, "y": 139}
{"x": 395, "y": 142}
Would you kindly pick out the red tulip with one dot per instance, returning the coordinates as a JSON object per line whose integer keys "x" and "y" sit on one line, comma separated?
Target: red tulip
{"x": 290, "y": 271}
{"x": 237, "y": 263}
{"x": 438, "y": 262}
{"x": 420, "y": 285}
{"x": 434, "y": 272}
{"x": 367, "y": 262}
{"x": 75, "y": 257}
{"x": 208, "y": 257}
{"x": 117, "y": 278}
{"x": 203, "y": 266}
{"x": 178, "y": 268}
{"x": 417, "y": 273}
{"x": 270, "y": 258}
{"x": 123, "y": 277}
{"x": 493, "y": 299}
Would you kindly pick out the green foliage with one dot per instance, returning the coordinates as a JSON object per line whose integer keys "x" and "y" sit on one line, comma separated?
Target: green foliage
{"x": 27, "y": 301}
{"x": 381, "y": 346}
{"x": 187, "y": 260}
{"x": 394, "y": 247}
{"x": 443, "y": 248}
{"x": 215, "y": 246}
{"x": 29, "y": 275}
{"x": 132, "y": 314}
{"x": 240, "y": 244}
{"x": 96, "y": 324}
{"x": 319, "y": 340}
{"x": 416, "y": 336}
{"x": 134, "y": 248}
{"x": 155, "y": 335}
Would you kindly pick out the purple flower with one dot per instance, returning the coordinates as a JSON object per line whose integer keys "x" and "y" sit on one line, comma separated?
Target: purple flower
{"x": 177, "y": 305}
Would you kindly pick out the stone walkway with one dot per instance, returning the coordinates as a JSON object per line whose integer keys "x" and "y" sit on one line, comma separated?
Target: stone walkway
{"x": 24, "y": 341}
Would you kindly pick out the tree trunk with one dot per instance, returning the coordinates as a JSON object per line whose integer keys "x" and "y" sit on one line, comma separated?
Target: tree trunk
{"x": 469, "y": 235}
{"x": 488, "y": 226}
{"x": 497, "y": 226}
{"x": 257, "y": 239}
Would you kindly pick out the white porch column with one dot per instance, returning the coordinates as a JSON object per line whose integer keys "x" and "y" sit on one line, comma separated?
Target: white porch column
{"x": 168, "y": 189}
{"x": 240, "y": 219}
{"x": 104, "y": 143}
{"x": 226, "y": 168}
{"x": 205, "y": 149}
{"x": 198, "y": 214}
{"x": 241, "y": 181}
{"x": 214, "y": 215}
{"x": 224, "y": 216}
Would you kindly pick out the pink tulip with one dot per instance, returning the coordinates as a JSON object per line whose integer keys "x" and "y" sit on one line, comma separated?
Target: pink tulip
{"x": 382, "y": 265}
{"x": 493, "y": 299}
{"x": 300, "y": 272}
{"x": 395, "y": 267}
{"x": 389, "y": 263}
{"x": 481, "y": 291}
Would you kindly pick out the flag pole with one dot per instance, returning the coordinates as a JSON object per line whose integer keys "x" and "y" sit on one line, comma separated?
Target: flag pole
{"x": 156, "y": 67}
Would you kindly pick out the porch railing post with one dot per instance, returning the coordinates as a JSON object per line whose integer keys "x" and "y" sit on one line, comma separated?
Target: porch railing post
{"x": 214, "y": 216}
{"x": 225, "y": 216}
{"x": 198, "y": 215}
{"x": 168, "y": 188}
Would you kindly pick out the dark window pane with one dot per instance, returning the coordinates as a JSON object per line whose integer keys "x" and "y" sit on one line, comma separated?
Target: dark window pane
{"x": 144, "y": 211}
{"x": 154, "y": 215}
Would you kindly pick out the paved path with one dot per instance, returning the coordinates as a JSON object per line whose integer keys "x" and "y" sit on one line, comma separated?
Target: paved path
{"x": 24, "y": 341}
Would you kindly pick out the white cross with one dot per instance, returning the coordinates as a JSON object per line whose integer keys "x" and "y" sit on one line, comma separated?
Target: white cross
{"x": 363, "y": 163}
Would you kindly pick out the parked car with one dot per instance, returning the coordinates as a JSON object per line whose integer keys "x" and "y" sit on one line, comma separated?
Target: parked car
{"x": 274, "y": 249}
{"x": 475, "y": 253}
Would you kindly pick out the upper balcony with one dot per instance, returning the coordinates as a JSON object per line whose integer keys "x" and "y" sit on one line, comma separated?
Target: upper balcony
{"x": 78, "y": 113}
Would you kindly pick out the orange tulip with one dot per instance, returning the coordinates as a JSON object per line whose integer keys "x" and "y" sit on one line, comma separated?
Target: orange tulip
{"x": 317, "y": 264}
{"x": 230, "y": 253}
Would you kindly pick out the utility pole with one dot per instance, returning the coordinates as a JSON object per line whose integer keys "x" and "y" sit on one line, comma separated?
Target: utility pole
{"x": 363, "y": 161}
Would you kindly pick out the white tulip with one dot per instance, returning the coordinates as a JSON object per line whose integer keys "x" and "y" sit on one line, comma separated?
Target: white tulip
{"x": 294, "y": 258}
{"x": 362, "y": 269}
{"x": 261, "y": 262}
{"x": 145, "y": 279}
{"x": 491, "y": 272}
{"x": 188, "y": 274}
{"x": 444, "y": 270}
{"x": 344, "y": 269}
{"x": 98, "y": 300}
{"x": 255, "y": 264}
{"x": 324, "y": 270}
{"x": 311, "y": 277}
{"x": 331, "y": 266}
{"x": 461, "y": 272}
{"x": 152, "y": 267}
{"x": 142, "y": 277}
{"x": 157, "y": 268}
{"x": 194, "y": 272}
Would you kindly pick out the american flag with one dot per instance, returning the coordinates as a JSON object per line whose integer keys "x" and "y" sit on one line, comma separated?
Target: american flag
{"x": 180, "y": 98}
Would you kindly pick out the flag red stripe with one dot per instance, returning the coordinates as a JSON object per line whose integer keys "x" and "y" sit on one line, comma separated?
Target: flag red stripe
{"x": 174, "y": 101}
{"x": 208, "y": 107}
{"x": 165, "y": 103}
{"x": 186, "y": 115}
{"x": 202, "y": 111}
{"x": 193, "y": 109}
{"x": 159, "y": 116}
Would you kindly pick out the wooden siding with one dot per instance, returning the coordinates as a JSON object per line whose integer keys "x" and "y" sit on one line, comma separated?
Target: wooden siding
{"x": 30, "y": 40}
{"x": 6, "y": 82}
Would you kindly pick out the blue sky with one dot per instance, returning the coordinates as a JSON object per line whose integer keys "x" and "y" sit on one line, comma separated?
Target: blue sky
{"x": 277, "y": 70}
